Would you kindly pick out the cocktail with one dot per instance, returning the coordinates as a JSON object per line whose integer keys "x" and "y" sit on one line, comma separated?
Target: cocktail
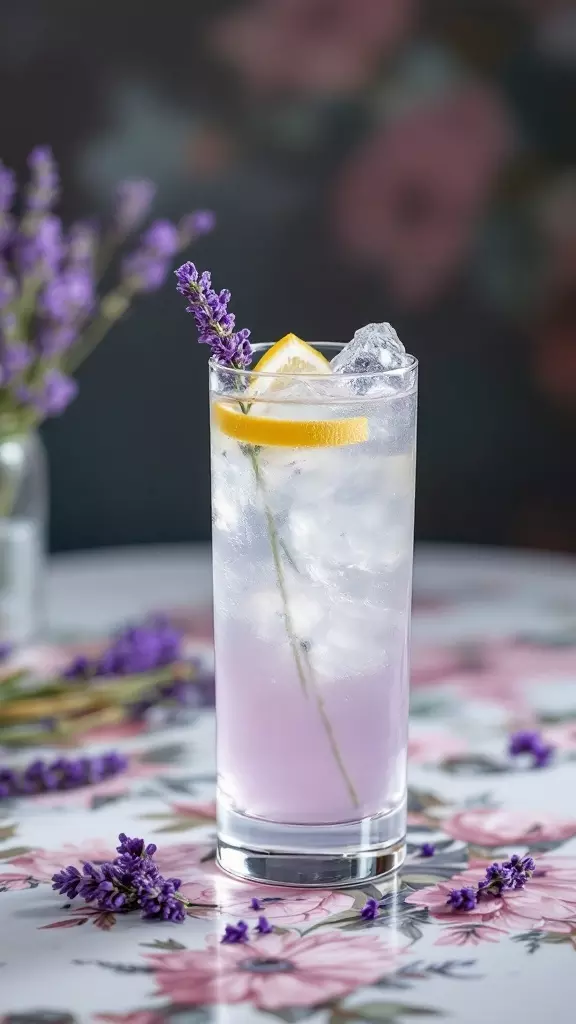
{"x": 313, "y": 453}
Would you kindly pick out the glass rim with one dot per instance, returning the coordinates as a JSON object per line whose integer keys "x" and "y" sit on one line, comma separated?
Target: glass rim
{"x": 333, "y": 346}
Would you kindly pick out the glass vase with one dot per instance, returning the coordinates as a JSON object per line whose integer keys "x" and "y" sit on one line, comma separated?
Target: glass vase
{"x": 312, "y": 498}
{"x": 23, "y": 518}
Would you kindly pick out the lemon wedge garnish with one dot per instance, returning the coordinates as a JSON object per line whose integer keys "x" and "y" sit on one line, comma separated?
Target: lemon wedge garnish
{"x": 252, "y": 419}
{"x": 289, "y": 355}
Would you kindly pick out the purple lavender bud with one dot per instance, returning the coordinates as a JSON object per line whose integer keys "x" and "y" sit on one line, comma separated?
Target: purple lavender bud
{"x": 144, "y": 271}
{"x": 196, "y": 224}
{"x": 255, "y": 904}
{"x": 41, "y": 250}
{"x": 427, "y": 850}
{"x": 214, "y": 324}
{"x": 263, "y": 927}
{"x": 7, "y": 285}
{"x": 133, "y": 201}
{"x": 14, "y": 359}
{"x": 68, "y": 296}
{"x": 44, "y": 184}
{"x": 67, "y": 881}
{"x": 528, "y": 741}
{"x": 462, "y": 899}
{"x": 82, "y": 245}
{"x": 56, "y": 393}
{"x": 162, "y": 904}
{"x": 5, "y": 651}
{"x": 369, "y": 911}
{"x": 161, "y": 238}
{"x": 56, "y": 339}
{"x": 234, "y": 933}
{"x": 7, "y": 187}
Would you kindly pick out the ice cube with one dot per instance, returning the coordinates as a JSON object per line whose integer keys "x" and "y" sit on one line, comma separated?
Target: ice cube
{"x": 373, "y": 349}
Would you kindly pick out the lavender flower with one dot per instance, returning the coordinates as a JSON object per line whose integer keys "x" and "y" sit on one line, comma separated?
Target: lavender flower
{"x": 44, "y": 182}
{"x": 370, "y": 910}
{"x": 462, "y": 899}
{"x": 7, "y": 187}
{"x": 55, "y": 394}
{"x": 528, "y": 741}
{"x": 263, "y": 927}
{"x": 54, "y": 339}
{"x": 133, "y": 202}
{"x": 427, "y": 850}
{"x": 255, "y": 904}
{"x": 82, "y": 243}
{"x": 62, "y": 774}
{"x": 130, "y": 881}
{"x": 68, "y": 297}
{"x": 40, "y": 250}
{"x": 201, "y": 222}
{"x": 14, "y": 359}
{"x": 7, "y": 284}
{"x": 234, "y": 933}
{"x": 214, "y": 323}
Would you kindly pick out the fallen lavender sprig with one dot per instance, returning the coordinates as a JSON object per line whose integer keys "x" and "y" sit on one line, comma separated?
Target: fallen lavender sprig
{"x": 510, "y": 875}
{"x": 62, "y": 774}
{"x": 131, "y": 881}
{"x": 528, "y": 741}
{"x": 370, "y": 910}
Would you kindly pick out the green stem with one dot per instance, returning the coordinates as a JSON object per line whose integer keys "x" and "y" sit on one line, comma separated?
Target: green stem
{"x": 331, "y": 737}
{"x": 276, "y": 557}
{"x": 113, "y": 306}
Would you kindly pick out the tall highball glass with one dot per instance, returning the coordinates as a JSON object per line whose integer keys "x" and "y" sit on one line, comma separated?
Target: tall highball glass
{"x": 312, "y": 499}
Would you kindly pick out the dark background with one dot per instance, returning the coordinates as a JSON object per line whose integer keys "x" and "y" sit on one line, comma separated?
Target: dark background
{"x": 367, "y": 160}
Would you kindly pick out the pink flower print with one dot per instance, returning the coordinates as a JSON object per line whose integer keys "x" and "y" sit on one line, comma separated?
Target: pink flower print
{"x": 410, "y": 198}
{"x": 274, "y": 970}
{"x": 312, "y": 46}
{"x": 548, "y": 902}
{"x": 42, "y": 864}
{"x": 12, "y": 883}
{"x": 284, "y": 907}
{"x": 470, "y": 935}
{"x": 562, "y": 737}
{"x": 431, "y": 747}
{"x": 490, "y": 828}
{"x": 184, "y": 860}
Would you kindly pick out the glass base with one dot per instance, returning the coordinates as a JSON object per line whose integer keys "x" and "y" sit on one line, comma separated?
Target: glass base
{"x": 311, "y": 856}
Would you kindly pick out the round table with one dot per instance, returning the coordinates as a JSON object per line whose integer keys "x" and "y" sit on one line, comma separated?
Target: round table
{"x": 494, "y": 652}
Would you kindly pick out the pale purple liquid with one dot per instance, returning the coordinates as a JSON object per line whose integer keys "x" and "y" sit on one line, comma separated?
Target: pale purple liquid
{"x": 274, "y": 758}
{"x": 343, "y": 517}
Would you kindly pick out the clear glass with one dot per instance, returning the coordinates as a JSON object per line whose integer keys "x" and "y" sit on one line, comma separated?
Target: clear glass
{"x": 23, "y": 515}
{"x": 312, "y": 558}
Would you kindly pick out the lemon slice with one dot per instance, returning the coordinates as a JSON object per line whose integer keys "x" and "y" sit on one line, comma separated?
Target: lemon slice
{"x": 289, "y": 355}
{"x": 260, "y": 418}
{"x": 266, "y": 430}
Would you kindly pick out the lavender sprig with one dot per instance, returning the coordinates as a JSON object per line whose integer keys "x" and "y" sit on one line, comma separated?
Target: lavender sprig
{"x": 62, "y": 774}
{"x": 510, "y": 875}
{"x": 214, "y": 323}
{"x": 131, "y": 881}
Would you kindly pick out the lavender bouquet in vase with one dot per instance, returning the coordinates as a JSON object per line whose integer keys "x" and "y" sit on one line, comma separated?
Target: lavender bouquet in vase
{"x": 53, "y": 313}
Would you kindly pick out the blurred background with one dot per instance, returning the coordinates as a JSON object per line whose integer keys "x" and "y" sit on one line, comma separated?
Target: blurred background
{"x": 367, "y": 160}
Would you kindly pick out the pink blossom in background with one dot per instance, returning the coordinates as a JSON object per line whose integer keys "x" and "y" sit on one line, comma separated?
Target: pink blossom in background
{"x": 274, "y": 970}
{"x": 284, "y": 907}
{"x": 206, "y": 811}
{"x": 408, "y": 202}
{"x": 317, "y": 46}
{"x": 42, "y": 864}
{"x": 491, "y": 828}
{"x": 432, "y": 747}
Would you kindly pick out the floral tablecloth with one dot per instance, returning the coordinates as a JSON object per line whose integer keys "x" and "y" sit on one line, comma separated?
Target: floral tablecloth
{"x": 494, "y": 652}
